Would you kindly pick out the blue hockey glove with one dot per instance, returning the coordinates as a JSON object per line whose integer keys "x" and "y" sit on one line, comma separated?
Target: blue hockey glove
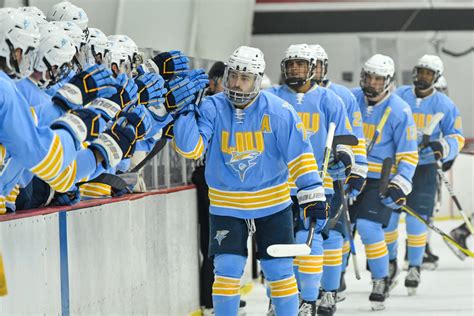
{"x": 94, "y": 82}
{"x": 435, "y": 150}
{"x": 82, "y": 124}
{"x": 356, "y": 180}
{"x": 313, "y": 206}
{"x": 182, "y": 90}
{"x": 66, "y": 199}
{"x": 340, "y": 167}
{"x": 116, "y": 143}
{"x": 126, "y": 95}
{"x": 138, "y": 118}
{"x": 151, "y": 93}
{"x": 167, "y": 64}
{"x": 398, "y": 189}
{"x": 128, "y": 189}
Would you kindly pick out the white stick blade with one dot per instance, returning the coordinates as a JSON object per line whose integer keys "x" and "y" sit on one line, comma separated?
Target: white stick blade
{"x": 288, "y": 250}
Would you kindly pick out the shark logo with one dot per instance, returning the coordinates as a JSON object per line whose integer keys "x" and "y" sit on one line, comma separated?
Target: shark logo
{"x": 220, "y": 235}
{"x": 243, "y": 161}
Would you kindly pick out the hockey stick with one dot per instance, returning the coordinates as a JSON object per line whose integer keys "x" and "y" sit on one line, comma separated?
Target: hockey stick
{"x": 383, "y": 191}
{"x": 3, "y": 279}
{"x": 348, "y": 228}
{"x": 426, "y": 139}
{"x": 293, "y": 250}
{"x": 455, "y": 199}
{"x": 379, "y": 128}
{"x": 439, "y": 231}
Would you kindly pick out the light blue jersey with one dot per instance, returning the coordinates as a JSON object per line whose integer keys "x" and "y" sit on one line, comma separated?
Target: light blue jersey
{"x": 355, "y": 118}
{"x": 317, "y": 108}
{"x": 398, "y": 139}
{"x": 450, "y": 127}
{"x": 249, "y": 154}
{"x": 32, "y": 93}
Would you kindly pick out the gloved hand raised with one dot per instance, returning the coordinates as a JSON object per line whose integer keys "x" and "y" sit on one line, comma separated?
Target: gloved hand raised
{"x": 151, "y": 93}
{"x": 167, "y": 64}
{"x": 94, "y": 82}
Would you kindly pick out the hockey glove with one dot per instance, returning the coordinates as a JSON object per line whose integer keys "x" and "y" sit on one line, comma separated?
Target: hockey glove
{"x": 438, "y": 149}
{"x": 151, "y": 94}
{"x": 167, "y": 64}
{"x": 398, "y": 189}
{"x": 66, "y": 199}
{"x": 94, "y": 82}
{"x": 356, "y": 180}
{"x": 138, "y": 119}
{"x": 313, "y": 206}
{"x": 340, "y": 167}
{"x": 182, "y": 90}
{"x": 82, "y": 124}
{"x": 116, "y": 143}
{"x": 125, "y": 96}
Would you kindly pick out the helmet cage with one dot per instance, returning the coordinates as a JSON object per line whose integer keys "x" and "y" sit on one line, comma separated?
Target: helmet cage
{"x": 296, "y": 82}
{"x": 240, "y": 97}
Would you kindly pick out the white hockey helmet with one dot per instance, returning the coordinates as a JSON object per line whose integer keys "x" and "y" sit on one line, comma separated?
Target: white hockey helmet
{"x": 47, "y": 29}
{"x": 66, "y": 11}
{"x": 53, "y": 58}
{"x": 98, "y": 44}
{"x": 430, "y": 62}
{"x": 298, "y": 52}
{"x": 18, "y": 31}
{"x": 379, "y": 66}
{"x": 131, "y": 48}
{"x": 78, "y": 38}
{"x": 117, "y": 59}
{"x": 35, "y": 14}
{"x": 320, "y": 55}
{"x": 266, "y": 82}
{"x": 244, "y": 61}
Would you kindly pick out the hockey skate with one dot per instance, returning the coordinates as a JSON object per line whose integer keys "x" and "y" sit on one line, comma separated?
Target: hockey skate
{"x": 430, "y": 261}
{"x": 307, "y": 309}
{"x": 379, "y": 294}
{"x": 327, "y": 307}
{"x": 393, "y": 274}
{"x": 210, "y": 311}
{"x": 459, "y": 234}
{"x": 341, "y": 292}
{"x": 412, "y": 280}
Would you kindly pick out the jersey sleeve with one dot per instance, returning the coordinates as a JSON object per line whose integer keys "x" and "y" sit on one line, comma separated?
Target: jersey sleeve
{"x": 451, "y": 127}
{"x": 297, "y": 151}
{"x": 192, "y": 131}
{"x": 43, "y": 151}
{"x": 406, "y": 148}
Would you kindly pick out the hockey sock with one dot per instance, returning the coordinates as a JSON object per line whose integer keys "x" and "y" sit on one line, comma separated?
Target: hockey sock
{"x": 310, "y": 267}
{"x": 228, "y": 270}
{"x": 332, "y": 261}
{"x": 417, "y": 233}
{"x": 373, "y": 238}
{"x": 282, "y": 285}
{"x": 346, "y": 249}
{"x": 391, "y": 235}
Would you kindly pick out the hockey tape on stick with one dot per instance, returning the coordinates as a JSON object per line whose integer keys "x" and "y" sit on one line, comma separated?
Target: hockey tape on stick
{"x": 293, "y": 250}
{"x": 430, "y": 128}
{"x": 439, "y": 231}
{"x": 379, "y": 129}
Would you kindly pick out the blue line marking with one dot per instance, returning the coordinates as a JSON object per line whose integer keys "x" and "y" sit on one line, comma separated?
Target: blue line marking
{"x": 63, "y": 258}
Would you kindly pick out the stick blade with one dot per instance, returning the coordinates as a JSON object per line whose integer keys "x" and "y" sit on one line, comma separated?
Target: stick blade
{"x": 350, "y": 140}
{"x": 288, "y": 250}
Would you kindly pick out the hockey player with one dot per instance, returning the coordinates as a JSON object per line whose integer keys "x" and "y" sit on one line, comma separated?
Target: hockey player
{"x": 51, "y": 158}
{"x": 97, "y": 46}
{"x": 387, "y": 113}
{"x": 317, "y": 107}
{"x": 354, "y": 184}
{"x": 252, "y": 139}
{"x": 425, "y": 101}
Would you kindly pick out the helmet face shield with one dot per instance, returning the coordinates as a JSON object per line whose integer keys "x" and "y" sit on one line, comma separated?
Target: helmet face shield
{"x": 373, "y": 85}
{"x": 297, "y": 71}
{"x": 424, "y": 78}
{"x": 240, "y": 86}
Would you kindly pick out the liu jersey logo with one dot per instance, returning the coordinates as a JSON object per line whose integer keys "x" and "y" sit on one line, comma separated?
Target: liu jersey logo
{"x": 241, "y": 162}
